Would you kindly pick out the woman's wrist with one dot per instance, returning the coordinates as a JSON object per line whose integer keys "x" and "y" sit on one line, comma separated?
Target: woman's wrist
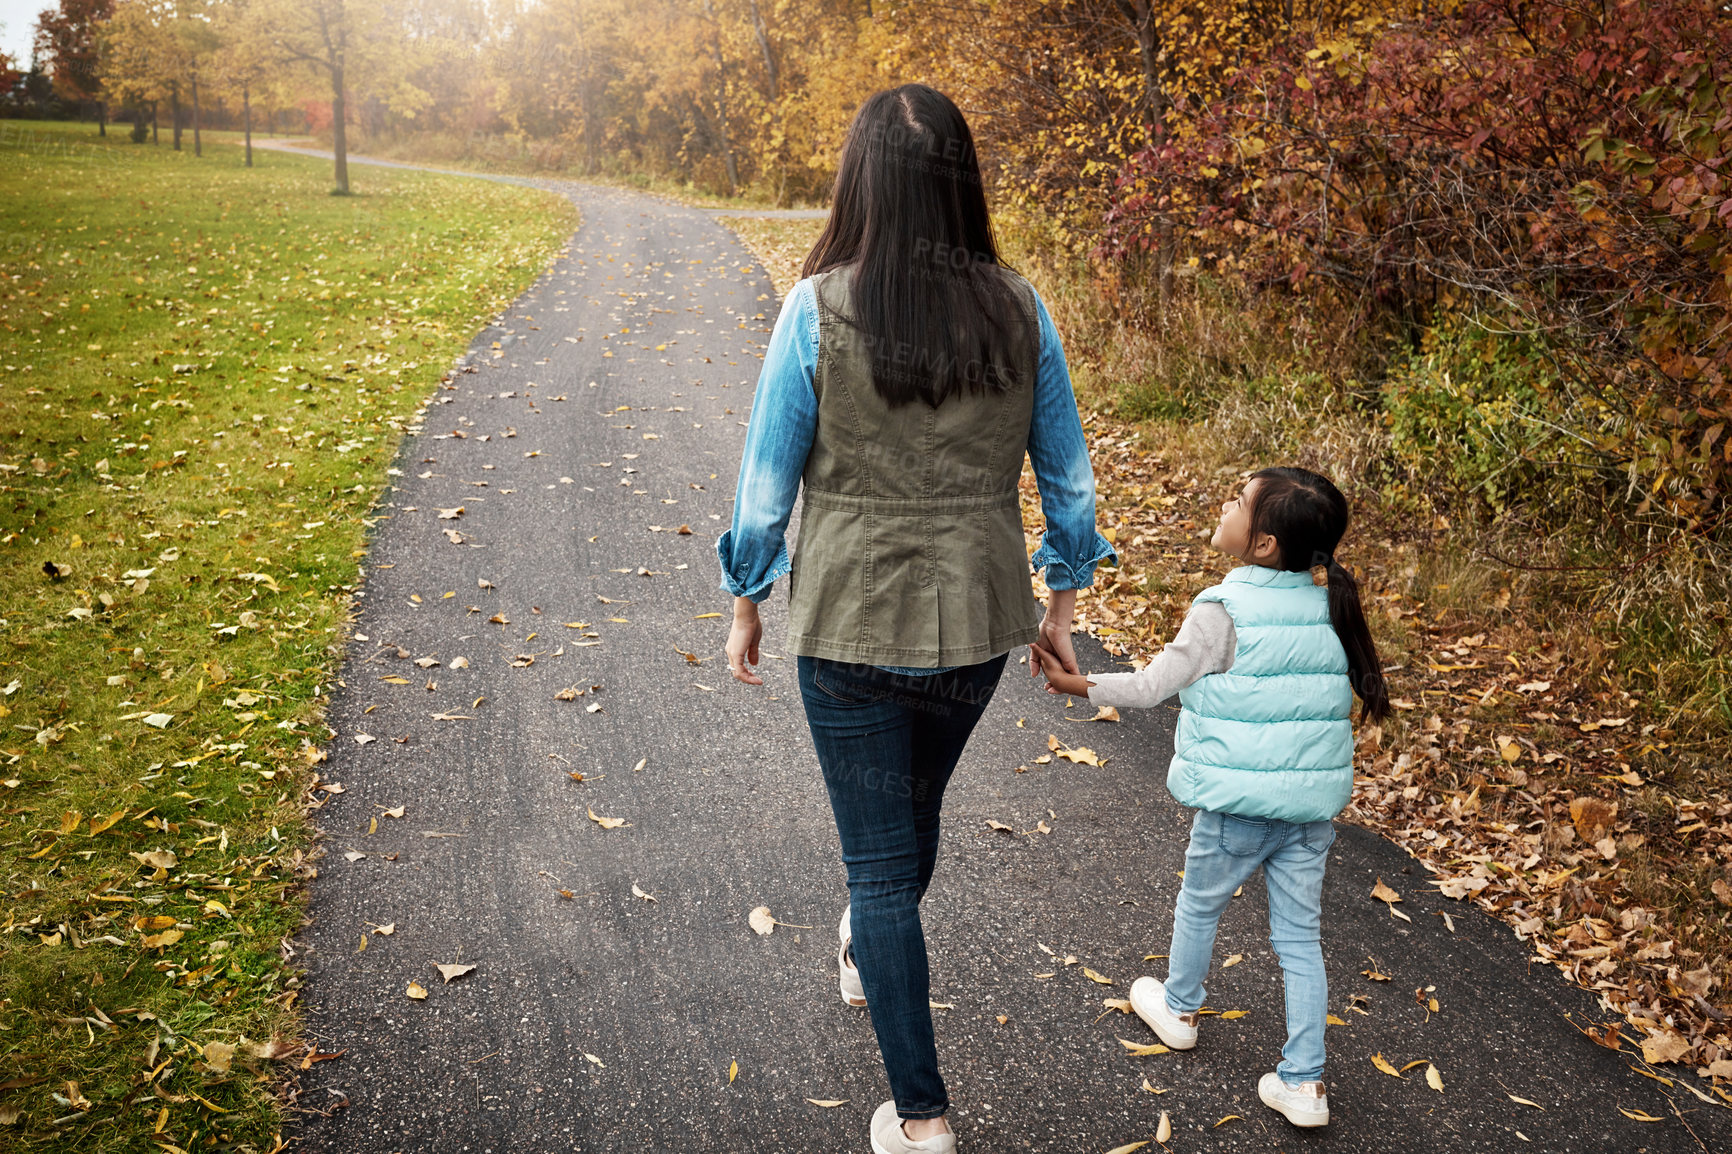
{"x": 745, "y": 609}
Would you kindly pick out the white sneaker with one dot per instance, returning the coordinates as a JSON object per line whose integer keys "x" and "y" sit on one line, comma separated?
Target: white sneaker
{"x": 853, "y": 992}
{"x": 888, "y": 1137}
{"x": 1306, "y": 1104}
{"x": 1149, "y": 1000}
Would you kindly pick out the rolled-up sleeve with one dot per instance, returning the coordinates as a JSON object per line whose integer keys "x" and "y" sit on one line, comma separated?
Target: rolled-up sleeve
{"x": 1070, "y": 548}
{"x": 753, "y": 552}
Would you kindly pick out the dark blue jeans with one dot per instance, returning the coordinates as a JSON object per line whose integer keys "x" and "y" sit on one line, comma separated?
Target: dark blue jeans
{"x": 887, "y": 743}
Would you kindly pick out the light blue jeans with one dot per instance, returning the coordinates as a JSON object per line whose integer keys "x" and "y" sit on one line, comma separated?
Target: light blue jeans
{"x": 1225, "y": 851}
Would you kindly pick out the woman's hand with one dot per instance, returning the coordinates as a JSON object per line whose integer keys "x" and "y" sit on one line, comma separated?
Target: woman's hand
{"x": 743, "y": 640}
{"x": 1055, "y": 631}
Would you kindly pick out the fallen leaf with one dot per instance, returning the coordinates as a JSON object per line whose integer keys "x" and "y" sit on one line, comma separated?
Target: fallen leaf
{"x": 761, "y": 920}
{"x": 1142, "y": 1050}
{"x": 1332, "y": 1020}
{"x": 1382, "y": 1063}
{"x": 827, "y": 1103}
{"x": 354, "y": 855}
{"x": 1523, "y": 1101}
{"x": 416, "y": 990}
{"x": 638, "y": 893}
{"x": 1433, "y": 1078}
{"x": 364, "y": 738}
{"x": 1224, "y": 1121}
{"x": 386, "y": 930}
{"x": 218, "y": 1056}
{"x": 1384, "y": 894}
{"x": 1000, "y": 826}
{"x": 1164, "y": 1129}
{"x": 606, "y": 822}
{"x": 454, "y": 970}
{"x": 940, "y": 1005}
{"x": 1664, "y": 1046}
{"x": 733, "y": 1071}
{"x": 1129, "y": 1146}
{"x": 1094, "y": 977}
{"x": 1122, "y": 1005}
{"x": 1639, "y": 1115}
{"x": 596, "y": 1060}
{"x": 1233, "y": 960}
{"x": 1375, "y": 976}
{"x": 1231, "y": 1015}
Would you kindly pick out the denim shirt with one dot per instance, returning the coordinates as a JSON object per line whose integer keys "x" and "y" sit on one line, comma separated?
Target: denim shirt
{"x": 753, "y": 551}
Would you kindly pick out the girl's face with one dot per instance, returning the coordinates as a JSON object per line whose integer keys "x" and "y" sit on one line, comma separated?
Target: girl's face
{"x": 1233, "y": 534}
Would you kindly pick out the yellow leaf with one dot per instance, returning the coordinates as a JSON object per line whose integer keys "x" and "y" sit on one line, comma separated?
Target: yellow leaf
{"x": 1128, "y": 1147}
{"x": 1382, "y": 1063}
{"x": 1224, "y": 1121}
{"x": 1335, "y": 1021}
{"x": 416, "y": 990}
{"x": 454, "y": 970}
{"x": 733, "y": 1071}
{"x": 1139, "y": 1050}
{"x": 1122, "y": 1005}
{"x": 98, "y": 825}
{"x": 827, "y": 1103}
{"x": 1094, "y": 977}
{"x": 1383, "y": 893}
{"x": 1233, "y": 960}
{"x": 606, "y": 822}
{"x": 1151, "y": 1089}
{"x": 1231, "y": 1014}
{"x": 1523, "y": 1101}
{"x": 1639, "y": 1115}
{"x": 1433, "y": 1078}
{"x": 1164, "y": 1130}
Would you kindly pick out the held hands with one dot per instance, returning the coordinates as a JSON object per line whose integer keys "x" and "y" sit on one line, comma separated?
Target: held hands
{"x": 743, "y": 640}
{"x": 1059, "y": 680}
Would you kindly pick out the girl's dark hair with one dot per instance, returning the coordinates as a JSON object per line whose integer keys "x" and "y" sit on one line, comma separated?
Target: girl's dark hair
{"x": 932, "y": 299}
{"x": 1307, "y": 515}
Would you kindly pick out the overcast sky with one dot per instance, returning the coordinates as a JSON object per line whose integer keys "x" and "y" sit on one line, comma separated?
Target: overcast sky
{"x": 19, "y": 18}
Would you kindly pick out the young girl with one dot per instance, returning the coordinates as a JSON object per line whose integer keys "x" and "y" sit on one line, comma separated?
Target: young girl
{"x": 1265, "y": 665}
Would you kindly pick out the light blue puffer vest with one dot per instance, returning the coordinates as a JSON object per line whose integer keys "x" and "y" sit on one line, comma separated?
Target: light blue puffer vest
{"x": 1273, "y": 736}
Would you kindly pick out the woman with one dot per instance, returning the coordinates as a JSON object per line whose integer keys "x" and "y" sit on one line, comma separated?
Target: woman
{"x": 908, "y": 373}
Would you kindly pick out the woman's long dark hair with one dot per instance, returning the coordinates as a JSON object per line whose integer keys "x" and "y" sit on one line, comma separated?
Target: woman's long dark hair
{"x": 1307, "y": 515}
{"x": 932, "y": 299}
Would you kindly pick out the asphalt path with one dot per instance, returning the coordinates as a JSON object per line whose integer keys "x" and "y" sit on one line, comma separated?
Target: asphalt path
{"x": 619, "y": 999}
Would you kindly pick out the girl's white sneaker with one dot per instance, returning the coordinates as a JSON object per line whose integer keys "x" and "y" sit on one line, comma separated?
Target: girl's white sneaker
{"x": 1306, "y": 1104}
{"x": 853, "y": 992}
{"x": 888, "y": 1137}
{"x": 1149, "y": 1000}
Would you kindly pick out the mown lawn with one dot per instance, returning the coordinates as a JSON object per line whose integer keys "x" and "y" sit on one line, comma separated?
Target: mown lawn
{"x": 206, "y": 371}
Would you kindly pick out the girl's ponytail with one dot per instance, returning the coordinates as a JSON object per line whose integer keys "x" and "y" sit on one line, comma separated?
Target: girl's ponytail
{"x": 1363, "y": 668}
{"x": 1307, "y": 516}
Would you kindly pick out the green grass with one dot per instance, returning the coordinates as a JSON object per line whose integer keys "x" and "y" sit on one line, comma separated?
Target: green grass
{"x": 206, "y": 371}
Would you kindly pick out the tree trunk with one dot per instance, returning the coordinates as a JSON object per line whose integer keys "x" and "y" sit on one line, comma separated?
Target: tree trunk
{"x": 174, "y": 112}
{"x": 197, "y": 142}
{"x": 1145, "y": 22}
{"x": 722, "y": 102}
{"x": 339, "y": 131}
{"x": 101, "y": 118}
{"x": 153, "y": 138}
{"x": 764, "y": 46}
{"x": 247, "y": 115}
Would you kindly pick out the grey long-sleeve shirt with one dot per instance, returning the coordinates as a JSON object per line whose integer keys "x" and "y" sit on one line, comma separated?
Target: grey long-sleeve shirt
{"x": 1206, "y": 643}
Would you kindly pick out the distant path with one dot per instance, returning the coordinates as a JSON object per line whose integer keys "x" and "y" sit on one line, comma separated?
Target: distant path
{"x": 602, "y": 1021}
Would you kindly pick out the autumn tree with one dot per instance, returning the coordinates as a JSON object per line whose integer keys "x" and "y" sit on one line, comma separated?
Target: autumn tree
{"x": 143, "y": 59}
{"x": 66, "y": 44}
{"x": 347, "y": 44}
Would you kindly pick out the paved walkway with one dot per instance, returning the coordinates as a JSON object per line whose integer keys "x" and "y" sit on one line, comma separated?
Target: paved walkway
{"x": 596, "y": 423}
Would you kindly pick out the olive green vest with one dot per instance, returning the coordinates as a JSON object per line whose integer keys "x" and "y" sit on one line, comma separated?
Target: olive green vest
{"x": 911, "y": 550}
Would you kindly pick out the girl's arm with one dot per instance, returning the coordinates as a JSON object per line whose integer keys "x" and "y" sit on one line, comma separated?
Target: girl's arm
{"x": 1205, "y": 644}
